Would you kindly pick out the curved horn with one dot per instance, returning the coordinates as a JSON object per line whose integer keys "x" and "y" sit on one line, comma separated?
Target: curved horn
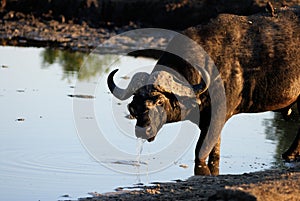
{"x": 167, "y": 82}
{"x": 137, "y": 81}
{"x": 202, "y": 87}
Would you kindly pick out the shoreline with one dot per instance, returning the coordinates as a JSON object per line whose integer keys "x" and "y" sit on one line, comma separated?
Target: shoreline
{"x": 271, "y": 185}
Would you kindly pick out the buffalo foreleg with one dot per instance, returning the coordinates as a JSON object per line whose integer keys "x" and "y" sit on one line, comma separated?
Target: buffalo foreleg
{"x": 293, "y": 153}
{"x": 201, "y": 167}
{"x": 212, "y": 167}
{"x": 214, "y": 159}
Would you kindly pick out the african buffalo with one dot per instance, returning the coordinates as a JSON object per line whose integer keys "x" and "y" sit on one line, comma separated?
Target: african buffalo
{"x": 258, "y": 62}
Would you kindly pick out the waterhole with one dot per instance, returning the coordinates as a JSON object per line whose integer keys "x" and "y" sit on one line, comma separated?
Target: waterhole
{"x": 42, "y": 158}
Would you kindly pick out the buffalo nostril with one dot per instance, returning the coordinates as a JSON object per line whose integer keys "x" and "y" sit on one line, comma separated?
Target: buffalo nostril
{"x": 141, "y": 132}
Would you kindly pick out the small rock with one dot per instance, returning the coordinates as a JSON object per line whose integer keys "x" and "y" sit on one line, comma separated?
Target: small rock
{"x": 183, "y": 166}
{"x": 95, "y": 194}
{"x": 153, "y": 191}
{"x": 125, "y": 77}
{"x": 119, "y": 189}
{"x": 81, "y": 96}
{"x": 65, "y": 196}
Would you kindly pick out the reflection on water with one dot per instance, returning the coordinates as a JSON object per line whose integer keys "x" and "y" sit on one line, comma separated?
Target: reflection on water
{"x": 41, "y": 157}
{"x": 71, "y": 62}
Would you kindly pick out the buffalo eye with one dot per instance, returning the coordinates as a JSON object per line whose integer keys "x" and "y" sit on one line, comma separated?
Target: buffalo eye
{"x": 160, "y": 102}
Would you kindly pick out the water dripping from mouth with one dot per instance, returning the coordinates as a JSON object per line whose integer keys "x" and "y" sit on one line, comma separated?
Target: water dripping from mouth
{"x": 139, "y": 149}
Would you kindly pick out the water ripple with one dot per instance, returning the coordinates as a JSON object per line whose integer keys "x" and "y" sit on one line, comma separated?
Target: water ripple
{"x": 31, "y": 163}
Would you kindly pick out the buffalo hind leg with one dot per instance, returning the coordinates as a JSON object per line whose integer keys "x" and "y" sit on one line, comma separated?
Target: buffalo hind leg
{"x": 293, "y": 153}
{"x": 286, "y": 113}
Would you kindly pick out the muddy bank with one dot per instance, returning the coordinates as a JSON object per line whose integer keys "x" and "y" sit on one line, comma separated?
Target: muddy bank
{"x": 271, "y": 185}
{"x": 19, "y": 29}
{"x": 171, "y": 14}
{"x": 25, "y": 30}
{"x": 84, "y": 24}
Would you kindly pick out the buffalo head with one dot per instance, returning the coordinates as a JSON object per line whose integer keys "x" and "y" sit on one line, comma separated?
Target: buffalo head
{"x": 158, "y": 98}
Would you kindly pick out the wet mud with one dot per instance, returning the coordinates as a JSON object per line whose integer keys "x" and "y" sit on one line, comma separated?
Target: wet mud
{"x": 271, "y": 185}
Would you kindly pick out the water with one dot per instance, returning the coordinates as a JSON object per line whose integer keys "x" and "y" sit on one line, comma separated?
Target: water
{"x": 42, "y": 157}
{"x": 139, "y": 149}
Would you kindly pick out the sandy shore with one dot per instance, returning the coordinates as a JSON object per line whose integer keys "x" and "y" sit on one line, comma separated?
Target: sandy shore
{"x": 269, "y": 185}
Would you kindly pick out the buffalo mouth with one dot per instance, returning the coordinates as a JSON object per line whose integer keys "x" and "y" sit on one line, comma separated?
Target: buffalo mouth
{"x": 151, "y": 139}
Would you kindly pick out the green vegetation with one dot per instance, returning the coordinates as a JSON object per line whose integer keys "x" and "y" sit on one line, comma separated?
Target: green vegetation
{"x": 83, "y": 65}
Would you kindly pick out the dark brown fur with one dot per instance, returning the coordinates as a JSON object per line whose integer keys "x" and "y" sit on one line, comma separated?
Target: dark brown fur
{"x": 258, "y": 59}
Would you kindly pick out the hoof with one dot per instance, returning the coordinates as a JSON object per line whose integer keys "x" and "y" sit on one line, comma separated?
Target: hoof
{"x": 201, "y": 170}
